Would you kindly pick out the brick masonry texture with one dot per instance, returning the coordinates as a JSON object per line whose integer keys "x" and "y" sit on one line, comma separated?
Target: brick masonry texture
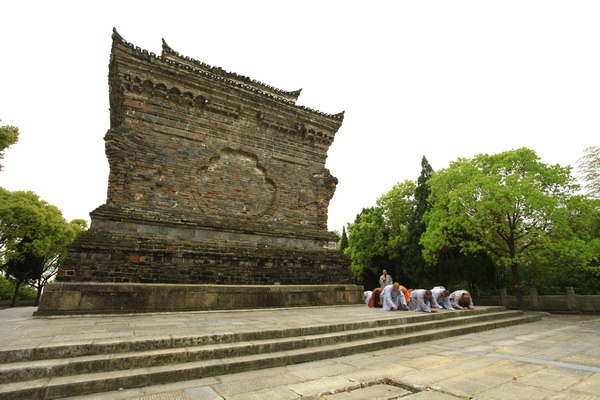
{"x": 214, "y": 178}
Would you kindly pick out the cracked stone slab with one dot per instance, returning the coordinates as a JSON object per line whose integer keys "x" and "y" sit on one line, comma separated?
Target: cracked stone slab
{"x": 251, "y": 385}
{"x": 516, "y": 391}
{"x": 319, "y": 386}
{"x": 272, "y": 393}
{"x": 589, "y": 385}
{"x": 375, "y": 392}
{"x": 180, "y": 395}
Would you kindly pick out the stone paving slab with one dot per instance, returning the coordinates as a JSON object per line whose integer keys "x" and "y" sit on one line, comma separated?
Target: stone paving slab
{"x": 371, "y": 374}
{"x": 167, "y": 396}
{"x": 574, "y": 394}
{"x": 369, "y": 360}
{"x": 324, "y": 371}
{"x": 241, "y": 386}
{"x": 589, "y": 385}
{"x": 471, "y": 384}
{"x": 546, "y": 379}
{"x": 495, "y": 364}
{"x": 516, "y": 391}
{"x": 429, "y": 395}
{"x": 272, "y": 393}
{"x": 375, "y": 392}
{"x": 444, "y": 369}
{"x": 512, "y": 368}
{"x": 204, "y": 393}
{"x": 20, "y": 329}
{"x": 426, "y": 377}
{"x": 321, "y": 385}
{"x": 583, "y": 359}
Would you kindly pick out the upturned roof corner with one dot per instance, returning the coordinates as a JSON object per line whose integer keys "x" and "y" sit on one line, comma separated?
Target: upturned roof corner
{"x": 171, "y": 56}
{"x": 166, "y": 48}
{"x": 116, "y": 36}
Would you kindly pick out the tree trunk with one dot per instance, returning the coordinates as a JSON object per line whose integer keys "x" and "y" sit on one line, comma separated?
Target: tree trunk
{"x": 514, "y": 268}
{"x": 18, "y": 284}
{"x": 39, "y": 288}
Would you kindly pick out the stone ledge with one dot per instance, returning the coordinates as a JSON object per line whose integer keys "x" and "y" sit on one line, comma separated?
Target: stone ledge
{"x": 135, "y": 218}
{"x": 110, "y": 298}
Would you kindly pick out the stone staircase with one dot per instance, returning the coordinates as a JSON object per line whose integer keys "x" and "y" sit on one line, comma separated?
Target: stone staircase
{"x": 50, "y": 372}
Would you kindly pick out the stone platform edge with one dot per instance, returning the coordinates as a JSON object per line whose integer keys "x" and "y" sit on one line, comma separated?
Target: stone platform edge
{"x": 71, "y": 298}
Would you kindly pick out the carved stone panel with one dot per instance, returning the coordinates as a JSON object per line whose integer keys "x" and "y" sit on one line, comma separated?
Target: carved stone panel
{"x": 233, "y": 183}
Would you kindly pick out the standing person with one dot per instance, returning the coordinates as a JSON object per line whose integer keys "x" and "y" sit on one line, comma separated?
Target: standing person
{"x": 461, "y": 300}
{"x": 422, "y": 300}
{"x": 385, "y": 280}
{"x": 392, "y": 298}
{"x": 440, "y": 294}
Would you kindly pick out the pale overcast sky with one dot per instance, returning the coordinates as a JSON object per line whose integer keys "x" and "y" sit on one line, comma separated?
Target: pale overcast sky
{"x": 444, "y": 79}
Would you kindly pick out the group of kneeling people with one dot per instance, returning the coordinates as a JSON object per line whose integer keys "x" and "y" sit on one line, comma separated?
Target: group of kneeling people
{"x": 397, "y": 297}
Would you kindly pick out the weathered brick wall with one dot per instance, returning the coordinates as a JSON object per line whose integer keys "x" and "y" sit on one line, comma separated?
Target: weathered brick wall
{"x": 102, "y": 258}
{"x": 186, "y": 140}
{"x": 214, "y": 178}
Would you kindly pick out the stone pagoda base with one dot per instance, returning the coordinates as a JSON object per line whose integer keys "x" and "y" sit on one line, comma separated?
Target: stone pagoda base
{"x": 117, "y": 298}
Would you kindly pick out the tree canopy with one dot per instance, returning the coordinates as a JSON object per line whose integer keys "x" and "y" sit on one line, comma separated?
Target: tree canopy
{"x": 366, "y": 242}
{"x": 509, "y": 204}
{"x": 378, "y": 236}
{"x": 589, "y": 168}
{"x": 344, "y": 239}
{"x": 33, "y": 237}
{"x": 8, "y": 136}
{"x": 482, "y": 223}
{"x": 416, "y": 224}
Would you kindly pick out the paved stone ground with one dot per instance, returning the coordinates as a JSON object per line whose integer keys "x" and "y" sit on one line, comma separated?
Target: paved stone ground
{"x": 556, "y": 358}
{"x": 20, "y": 329}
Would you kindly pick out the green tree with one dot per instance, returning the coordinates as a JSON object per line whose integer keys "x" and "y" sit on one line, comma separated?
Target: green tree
{"x": 416, "y": 226}
{"x": 8, "y": 136}
{"x": 344, "y": 240}
{"x": 7, "y": 288}
{"x": 367, "y": 240}
{"x": 552, "y": 269}
{"x": 589, "y": 168}
{"x": 33, "y": 236}
{"x": 377, "y": 238}
{"x": 398, "y": 206}
{"x": 79, "y": 226}
{"x": 54, "y": 258}
{"x": 23, "y": 268}
{"x": 20, "y": 217}
{"x": 509, "y": 204}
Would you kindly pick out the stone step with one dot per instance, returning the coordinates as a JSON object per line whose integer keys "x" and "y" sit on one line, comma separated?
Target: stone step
{"x": 87, "y": 383}
{"x": 111, "y": 346}
{"x": 14, "y": 372}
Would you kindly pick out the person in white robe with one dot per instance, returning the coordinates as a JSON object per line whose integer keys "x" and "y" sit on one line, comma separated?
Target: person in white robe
{"x": 367, "y": 295}
{"x": 461, "y": 300}
{"x": 422, "y": 300}
{"x": 385, "y": 280}
{"x": 440, "y": 294}
{"x": 392, "y": 298}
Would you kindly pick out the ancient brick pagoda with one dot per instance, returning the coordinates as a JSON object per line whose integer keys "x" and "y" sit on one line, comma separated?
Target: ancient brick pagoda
{"x": 215, "y": 179}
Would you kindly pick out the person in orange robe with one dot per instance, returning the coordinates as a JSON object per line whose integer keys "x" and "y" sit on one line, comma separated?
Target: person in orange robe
{"x": 375, "y": 301}
{"x": 406, "y": 294}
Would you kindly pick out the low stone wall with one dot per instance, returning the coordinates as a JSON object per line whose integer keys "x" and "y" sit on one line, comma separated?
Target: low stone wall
{"x": 20, "y": 303}
{"x": 569, "y": 302}
{"x": 111, "y": 298}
